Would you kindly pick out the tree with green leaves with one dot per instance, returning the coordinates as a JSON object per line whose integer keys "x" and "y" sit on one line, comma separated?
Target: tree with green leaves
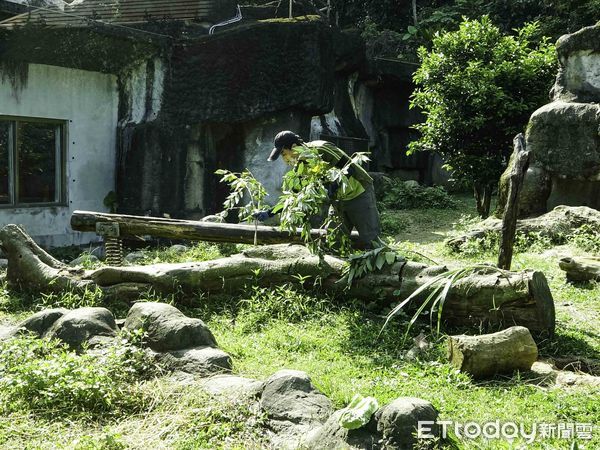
{"x": 477, "y": 88}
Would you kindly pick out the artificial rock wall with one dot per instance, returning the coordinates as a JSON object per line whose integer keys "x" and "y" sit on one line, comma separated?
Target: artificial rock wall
{"x": 564, "y": 135}
{"x": 225, "y": 97}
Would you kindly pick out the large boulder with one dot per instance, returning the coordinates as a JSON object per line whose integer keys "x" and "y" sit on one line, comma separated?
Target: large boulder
{"x": 167, "y": 328}
{"x": 398, "y": 422}
{"x": 578, "y": 78}
{"x": 41, "y": 321}
{"x": 564, "y": 136}
{"x": 294, "y": 407}
{"x": 84, "y": 325}
{"x": 332, "y": 435}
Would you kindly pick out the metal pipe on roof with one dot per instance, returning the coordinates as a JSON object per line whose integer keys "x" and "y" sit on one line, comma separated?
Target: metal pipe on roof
{"x": 234, "y": 19}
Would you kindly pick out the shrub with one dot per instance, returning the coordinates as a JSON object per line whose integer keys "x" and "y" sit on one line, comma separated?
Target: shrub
{"x": 397, "y": 194}
{"x": 586, "y": 238}
{"x": 46, "y": 377}
{"x": 477, "y": 88}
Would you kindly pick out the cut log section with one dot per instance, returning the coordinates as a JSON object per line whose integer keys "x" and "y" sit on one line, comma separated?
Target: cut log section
{"x": 486, "y": 355}
{"x": 485, "y": 297}
{"x": 581, "y": 269}
{"x": 188, "y": 229}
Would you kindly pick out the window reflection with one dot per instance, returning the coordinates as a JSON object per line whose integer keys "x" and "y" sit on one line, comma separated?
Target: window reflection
{"x": 36, "y": 150}
{"x": 4, "y": 162}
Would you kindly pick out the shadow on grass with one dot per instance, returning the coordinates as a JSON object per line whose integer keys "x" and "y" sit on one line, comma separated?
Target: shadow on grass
{"x": 570, "y": 343}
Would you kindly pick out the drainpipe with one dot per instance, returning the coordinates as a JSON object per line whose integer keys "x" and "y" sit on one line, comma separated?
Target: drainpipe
{"x": 235, "y": 19}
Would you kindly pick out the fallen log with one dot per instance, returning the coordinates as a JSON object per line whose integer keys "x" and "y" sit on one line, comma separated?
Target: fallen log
{"x": 555, "y": 225}
{"x": 581, "y": 269}
{"x": 129, "y": 226}
{"x": 486, "y": 355}
{"x": 485, "y": 297}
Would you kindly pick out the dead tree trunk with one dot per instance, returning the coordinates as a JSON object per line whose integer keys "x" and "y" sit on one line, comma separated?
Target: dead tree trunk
{"x": 486, "y": 355}
{"x": 519, "y": 164}
{"x": 482, "y": 298}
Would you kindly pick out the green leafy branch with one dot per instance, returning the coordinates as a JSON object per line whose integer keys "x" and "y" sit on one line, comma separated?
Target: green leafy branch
{"x": 363, "y": 263}
{"x": 243, "y": 184}
{"x": 439, "y": 288}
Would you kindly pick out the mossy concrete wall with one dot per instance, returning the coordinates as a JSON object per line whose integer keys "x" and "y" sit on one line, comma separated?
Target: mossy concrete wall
{"x": 245, "y": 73}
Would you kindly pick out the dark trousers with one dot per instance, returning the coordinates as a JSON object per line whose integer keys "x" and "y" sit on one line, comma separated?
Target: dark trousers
{"x": 361, "y": 214}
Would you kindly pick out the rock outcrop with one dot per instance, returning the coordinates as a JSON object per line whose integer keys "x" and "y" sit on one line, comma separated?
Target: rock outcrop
{"x": 564, "y": 136}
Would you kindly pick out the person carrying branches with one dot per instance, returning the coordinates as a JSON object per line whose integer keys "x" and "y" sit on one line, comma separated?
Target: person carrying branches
{"x": 348, "y": 186}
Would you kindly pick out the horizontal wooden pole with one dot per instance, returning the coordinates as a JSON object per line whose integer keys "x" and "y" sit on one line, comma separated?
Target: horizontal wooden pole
{"x": 189, "y": 229}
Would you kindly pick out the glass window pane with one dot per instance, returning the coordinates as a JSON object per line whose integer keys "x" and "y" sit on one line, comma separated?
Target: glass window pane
{"x": 4, "y": 162}
{"x": 37, "y": 144}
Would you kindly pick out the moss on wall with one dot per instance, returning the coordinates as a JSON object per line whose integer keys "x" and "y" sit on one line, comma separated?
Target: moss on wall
{"x": 250, "y": 71}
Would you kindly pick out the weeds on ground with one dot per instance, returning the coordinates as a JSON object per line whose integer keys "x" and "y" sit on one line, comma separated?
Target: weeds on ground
{"x": 46, "y": 377}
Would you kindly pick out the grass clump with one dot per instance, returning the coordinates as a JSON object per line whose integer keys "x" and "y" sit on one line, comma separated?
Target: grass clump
{"x": 397, "y": 194}
{"x": 285, "y": 302}
{"x": 392, "y": 223}
{"x": 46, "y": 377}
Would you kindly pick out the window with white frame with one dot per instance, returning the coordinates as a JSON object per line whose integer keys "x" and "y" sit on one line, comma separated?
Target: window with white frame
{"x": 31, "y": 161}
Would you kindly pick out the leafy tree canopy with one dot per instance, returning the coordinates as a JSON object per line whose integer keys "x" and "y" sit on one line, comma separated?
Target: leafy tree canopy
{"x": 477, "y": 88}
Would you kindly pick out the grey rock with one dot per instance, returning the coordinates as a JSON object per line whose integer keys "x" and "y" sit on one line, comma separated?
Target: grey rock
{"x": 41, "y": 321}
{"x": 231, "y": 385}
{"x": 412, "y": 184}
{"x": 398, "y": 422}
{"x": 178, "y": 248}
{"x": 83, "y": 259}
{"x": 578, "y": 79}
{"x": 202, "y": 361}
{"x": 99, "y": 252}
{"x": 134, "y": 257}
{"x": 3, "y": 264}
{"x": 80, "y": 325}
{"x": 214, "y": 218}
{"x": 167, "y": 328}
{"x": 290, "y": 396}
{"x": 294, "y": 407}
{"x": 6, "y": 332}
{"x": 334, "y": 436}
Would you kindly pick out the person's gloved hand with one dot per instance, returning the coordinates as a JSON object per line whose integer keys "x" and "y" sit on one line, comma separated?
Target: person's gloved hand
{"x": 332, "y": 190}
{"x": 261, "y": 216}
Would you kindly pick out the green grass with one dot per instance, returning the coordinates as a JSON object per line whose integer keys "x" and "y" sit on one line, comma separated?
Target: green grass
{"x": 338, "y": 343}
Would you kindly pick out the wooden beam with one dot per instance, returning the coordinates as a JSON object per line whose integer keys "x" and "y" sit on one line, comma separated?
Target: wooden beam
{"x": 130, "y": 226}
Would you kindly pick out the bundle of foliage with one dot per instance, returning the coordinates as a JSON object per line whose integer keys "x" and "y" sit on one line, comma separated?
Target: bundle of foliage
{"x": 305, "y": 197}
{"x": 45, "y": 376}
{"x": 477, "y": 89}
{"x": 396, "y": 194}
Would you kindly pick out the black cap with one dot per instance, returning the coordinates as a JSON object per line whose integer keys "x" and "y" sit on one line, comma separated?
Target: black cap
{"x": 284, "y": 139}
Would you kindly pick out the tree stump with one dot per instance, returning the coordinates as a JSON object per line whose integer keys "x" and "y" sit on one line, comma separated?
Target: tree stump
{"x": 486, "y": 355}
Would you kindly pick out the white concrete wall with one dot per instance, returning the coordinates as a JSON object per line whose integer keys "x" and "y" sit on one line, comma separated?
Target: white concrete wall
{"x": 88, "y": 101}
